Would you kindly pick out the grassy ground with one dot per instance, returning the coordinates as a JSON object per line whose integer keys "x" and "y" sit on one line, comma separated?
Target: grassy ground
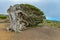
{"x": 3, "y": 16}
{"x": 51, "y": 23}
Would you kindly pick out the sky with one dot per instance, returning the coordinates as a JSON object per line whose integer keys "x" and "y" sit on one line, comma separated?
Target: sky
{"x": 51, "y": 8}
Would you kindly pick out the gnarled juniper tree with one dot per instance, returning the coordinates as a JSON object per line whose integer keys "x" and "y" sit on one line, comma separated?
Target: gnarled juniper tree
{"x": 24, "y": 15}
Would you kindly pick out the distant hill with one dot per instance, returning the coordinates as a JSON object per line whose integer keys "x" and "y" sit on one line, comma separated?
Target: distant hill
{"x": 2, "y": 16}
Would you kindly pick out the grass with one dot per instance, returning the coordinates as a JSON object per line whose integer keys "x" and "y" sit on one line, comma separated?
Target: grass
{"x": 3, "y": 16}
{"x": 51, "y": 23}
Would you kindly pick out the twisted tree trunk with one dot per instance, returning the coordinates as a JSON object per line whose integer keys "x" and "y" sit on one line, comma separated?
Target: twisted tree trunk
{"x": 17, "y": 20}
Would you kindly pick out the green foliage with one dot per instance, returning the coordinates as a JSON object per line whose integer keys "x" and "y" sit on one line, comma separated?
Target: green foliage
{"x": 33, "y": 9}
{"x": 36, "y": 13}
{"x": 30, "y": 6}
{"x": 3, "y": 16}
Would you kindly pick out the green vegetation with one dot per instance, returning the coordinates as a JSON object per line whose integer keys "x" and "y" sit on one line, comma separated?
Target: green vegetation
{"x": 31, "y": 8}
{"x": 34, "y": 12}
{"x": 3, "y": 16}
{"x": 51, "y": 23}
{"x": 48, "y": 23}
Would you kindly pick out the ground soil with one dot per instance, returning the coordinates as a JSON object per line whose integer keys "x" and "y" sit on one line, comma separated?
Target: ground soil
{"x": 38, "y": 33}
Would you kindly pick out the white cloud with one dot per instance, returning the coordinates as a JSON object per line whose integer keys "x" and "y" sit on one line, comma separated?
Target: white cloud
{"x": 24, "y": 0}
{"x": 49, "y": 1}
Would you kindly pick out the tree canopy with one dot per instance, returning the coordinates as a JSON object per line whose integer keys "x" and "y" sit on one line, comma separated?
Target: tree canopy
{"x": 35, "y": 14}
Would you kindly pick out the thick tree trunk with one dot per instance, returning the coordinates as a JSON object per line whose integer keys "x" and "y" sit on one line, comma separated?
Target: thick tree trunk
{"x": 17, "y": 22}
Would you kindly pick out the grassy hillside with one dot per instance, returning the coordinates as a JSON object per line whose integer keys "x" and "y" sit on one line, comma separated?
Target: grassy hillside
{"x": 51, "y": 23}
{"x": 3, "y": 16}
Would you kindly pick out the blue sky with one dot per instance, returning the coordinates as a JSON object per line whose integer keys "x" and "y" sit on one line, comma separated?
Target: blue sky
{"x": 51, "y": 8}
